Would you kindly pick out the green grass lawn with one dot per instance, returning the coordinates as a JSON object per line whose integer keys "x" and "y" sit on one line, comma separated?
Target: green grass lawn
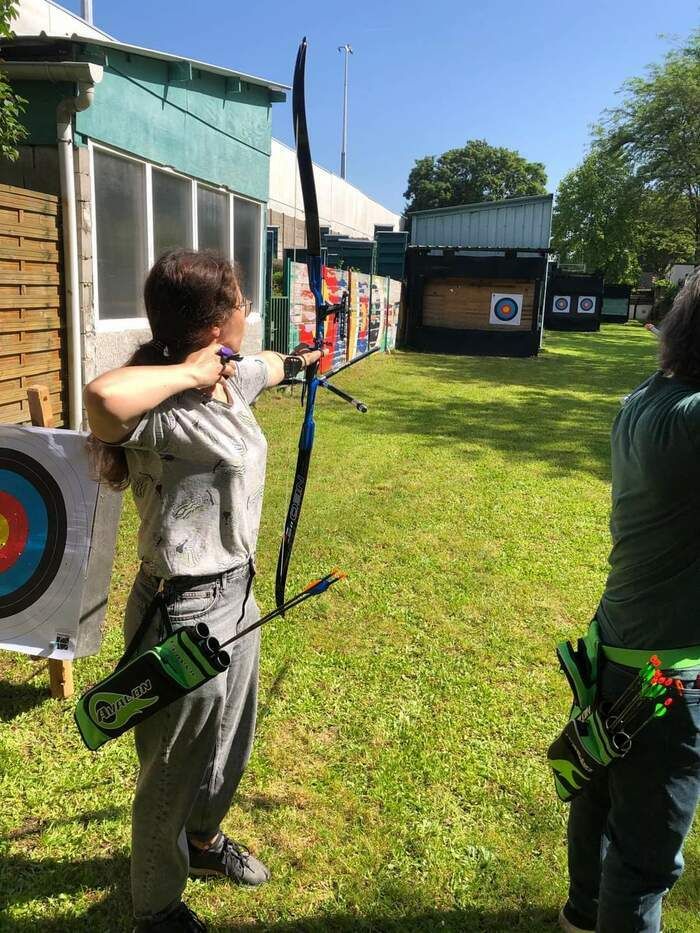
{"x": 398, "y": 779}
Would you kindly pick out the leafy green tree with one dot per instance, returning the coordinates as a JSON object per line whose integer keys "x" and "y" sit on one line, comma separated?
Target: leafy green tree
{"x": 476, "y": 172}
{"x": 12, "y": 106}
{"x": 595, "y": 215}
{"x": 665, "y": 231}
{"x": 658, "y": 126}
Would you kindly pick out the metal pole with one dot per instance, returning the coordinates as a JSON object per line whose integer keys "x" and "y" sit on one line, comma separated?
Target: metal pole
{"x": 343, "y": 152}
{"x": 86, "y": 11}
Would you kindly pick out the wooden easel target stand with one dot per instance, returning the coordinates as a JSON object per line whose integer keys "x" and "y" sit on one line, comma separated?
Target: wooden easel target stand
{"x": 60, "y": 672}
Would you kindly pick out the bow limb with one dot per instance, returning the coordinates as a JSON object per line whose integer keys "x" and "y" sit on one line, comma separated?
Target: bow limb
{"x": 313, "y": 382}
{"x": 313, "y": 253}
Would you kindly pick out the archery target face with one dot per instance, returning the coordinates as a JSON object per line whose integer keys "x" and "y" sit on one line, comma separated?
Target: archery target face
{"x": 586, "y": 304}
{"x": 506, "y": 309}
{"x": 561, "y": 304}
{"x": 47, "y": 504}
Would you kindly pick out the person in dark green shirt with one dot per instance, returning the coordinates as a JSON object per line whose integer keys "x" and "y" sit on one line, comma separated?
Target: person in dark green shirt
{"x": 627, "y": 829}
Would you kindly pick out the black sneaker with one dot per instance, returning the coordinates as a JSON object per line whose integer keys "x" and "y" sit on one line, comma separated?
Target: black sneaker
{"x": 571, "y": 921}
{"x": 227, "y": 859}
{"x": 179, "y": 920}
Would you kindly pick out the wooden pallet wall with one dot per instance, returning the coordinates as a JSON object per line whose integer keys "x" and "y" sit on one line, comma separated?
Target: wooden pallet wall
{"x": 465, "y": 304}
{"x": 33, "y": 348}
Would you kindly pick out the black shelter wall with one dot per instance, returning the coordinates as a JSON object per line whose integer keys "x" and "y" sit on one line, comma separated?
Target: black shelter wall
{"x": 573, "y": 294}
{"x": 424, "y": 264}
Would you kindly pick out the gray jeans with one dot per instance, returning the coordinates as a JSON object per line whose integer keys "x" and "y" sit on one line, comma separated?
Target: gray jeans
{"x": 192, "y": 754}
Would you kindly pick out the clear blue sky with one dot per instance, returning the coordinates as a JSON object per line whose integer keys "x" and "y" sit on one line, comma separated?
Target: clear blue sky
{"x": 426, "y": 74}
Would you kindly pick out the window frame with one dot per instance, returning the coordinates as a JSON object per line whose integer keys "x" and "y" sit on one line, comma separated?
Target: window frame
{"x": 141, "y": 323}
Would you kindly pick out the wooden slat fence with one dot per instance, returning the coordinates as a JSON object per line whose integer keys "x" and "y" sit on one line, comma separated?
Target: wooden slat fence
{"x": 33, "y": 345}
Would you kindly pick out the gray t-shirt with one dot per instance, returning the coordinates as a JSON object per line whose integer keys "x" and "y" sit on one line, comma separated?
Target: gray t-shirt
{"x": 197, "y": 469}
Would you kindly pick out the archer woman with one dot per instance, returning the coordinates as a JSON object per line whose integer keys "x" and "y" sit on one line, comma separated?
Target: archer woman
{"x": 628, "y": 826}
{"x": 175, "y": 422}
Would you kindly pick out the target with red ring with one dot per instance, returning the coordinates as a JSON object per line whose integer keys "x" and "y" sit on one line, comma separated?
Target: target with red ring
{"x": 562, "y": 304}
{"x": 586, "y": 304}
{"x": 506, "y": 309}
{"x": 33, "y": 528}
{"x": 14, "y": 530}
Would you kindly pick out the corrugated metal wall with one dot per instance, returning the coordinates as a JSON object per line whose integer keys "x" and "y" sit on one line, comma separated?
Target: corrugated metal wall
{"x": 523, "y": 223}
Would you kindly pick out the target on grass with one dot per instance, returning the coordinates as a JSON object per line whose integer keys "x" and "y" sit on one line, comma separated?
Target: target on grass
{"x": 586, "y": 304}
{"x": 47, "y": 505}
{"x": 561, "y": 304}
{"x": 506, "y": 309}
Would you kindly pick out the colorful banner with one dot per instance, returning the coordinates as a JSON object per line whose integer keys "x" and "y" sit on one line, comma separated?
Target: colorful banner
{"x": 392, "y": 319}
{"x": 377, "y": 311}
{"x": 302, "y": 307}
{"x": 371, "y": 319}
{"x": 336, "y": 286}
{"x": 359, "y": 314}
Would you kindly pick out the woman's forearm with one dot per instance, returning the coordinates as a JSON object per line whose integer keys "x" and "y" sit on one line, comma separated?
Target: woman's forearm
{"x": 116, "y": 401}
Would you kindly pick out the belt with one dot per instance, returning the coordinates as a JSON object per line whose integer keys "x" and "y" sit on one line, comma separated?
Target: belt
{"x": 671, "y": 658}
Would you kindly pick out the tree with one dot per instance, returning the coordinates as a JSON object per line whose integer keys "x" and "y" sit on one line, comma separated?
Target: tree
{"x": 595, "y": 215}
{"x": 11, "y": 105}
{"x": 476, "y": 172}
{"x": 658, "y": 127}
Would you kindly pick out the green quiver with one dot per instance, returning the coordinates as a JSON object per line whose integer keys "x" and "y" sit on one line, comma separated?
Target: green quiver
{"x": 145, "y": 685}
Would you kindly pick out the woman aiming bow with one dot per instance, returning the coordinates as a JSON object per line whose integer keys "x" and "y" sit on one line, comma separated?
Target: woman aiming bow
{"x": 175, "y": 422}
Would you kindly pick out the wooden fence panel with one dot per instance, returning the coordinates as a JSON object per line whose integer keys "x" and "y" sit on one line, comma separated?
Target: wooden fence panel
{"x": 33, "y": 346}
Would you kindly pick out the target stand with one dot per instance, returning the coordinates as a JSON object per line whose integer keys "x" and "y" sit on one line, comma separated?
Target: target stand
{"x": 57, "y": 537}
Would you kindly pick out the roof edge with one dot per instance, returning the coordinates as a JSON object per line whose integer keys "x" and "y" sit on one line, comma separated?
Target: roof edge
{"x": 149, "y": 53}
{"x": 482, "y": 205}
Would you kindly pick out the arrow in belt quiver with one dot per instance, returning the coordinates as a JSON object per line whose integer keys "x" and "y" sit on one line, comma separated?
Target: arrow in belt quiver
{"x": 598, "y": 733}
{"x": 178, "y": 665}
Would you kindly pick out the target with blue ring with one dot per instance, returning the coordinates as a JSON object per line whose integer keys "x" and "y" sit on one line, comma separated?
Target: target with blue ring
{"x": 586, "y": 304}
{"x": 47, "y": 512}
{"x": 561, "y": 304}
{"x": 506, "y": 309}
{"x": 32, "y": 531}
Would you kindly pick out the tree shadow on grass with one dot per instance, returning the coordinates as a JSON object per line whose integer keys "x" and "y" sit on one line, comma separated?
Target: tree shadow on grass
{"x": 23, "y": 880}
{"x": 18, "y": 698}
{"x": 472, "y": 919}
{"x": 557, "y": 410}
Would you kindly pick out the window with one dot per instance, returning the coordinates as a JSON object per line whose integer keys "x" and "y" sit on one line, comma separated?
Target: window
{"x": 172, "y": 212}
{"x": 141, "y": 211}
{"x": 120, "y": 234}
{"x": 212, "y": 220}
{"x": 246, "y": 246}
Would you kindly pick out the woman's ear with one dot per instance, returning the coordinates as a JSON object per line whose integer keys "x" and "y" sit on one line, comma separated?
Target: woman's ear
{"x": 215, "y": 333}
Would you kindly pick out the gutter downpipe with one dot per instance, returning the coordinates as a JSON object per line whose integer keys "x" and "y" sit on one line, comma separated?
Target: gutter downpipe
{"x": 64, "y": 125}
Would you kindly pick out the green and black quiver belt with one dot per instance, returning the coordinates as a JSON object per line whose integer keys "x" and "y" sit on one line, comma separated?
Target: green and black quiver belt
{"x": 599, "y": 732}
{"x": 157, "y": 677}
{"x": 577, "y": 753}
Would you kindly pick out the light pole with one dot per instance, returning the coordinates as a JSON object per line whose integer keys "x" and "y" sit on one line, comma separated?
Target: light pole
{"x": 86, "y": 10}
{"x": 343, "y": 152}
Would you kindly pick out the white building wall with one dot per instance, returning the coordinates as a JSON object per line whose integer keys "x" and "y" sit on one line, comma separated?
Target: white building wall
{"x": 341, "y": 206}
{"x": 37, "y": 16}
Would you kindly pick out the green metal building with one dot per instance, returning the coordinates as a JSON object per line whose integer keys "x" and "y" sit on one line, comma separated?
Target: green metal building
{"x": 147, "y": 151}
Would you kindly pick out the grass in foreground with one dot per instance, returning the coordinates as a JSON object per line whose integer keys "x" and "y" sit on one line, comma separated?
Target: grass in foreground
{"x": 398, "y": 781}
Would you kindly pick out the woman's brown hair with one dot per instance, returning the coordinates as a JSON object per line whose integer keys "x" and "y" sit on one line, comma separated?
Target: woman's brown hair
{"x": 680, "y": 334}
{"x": 186, "y": 294}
